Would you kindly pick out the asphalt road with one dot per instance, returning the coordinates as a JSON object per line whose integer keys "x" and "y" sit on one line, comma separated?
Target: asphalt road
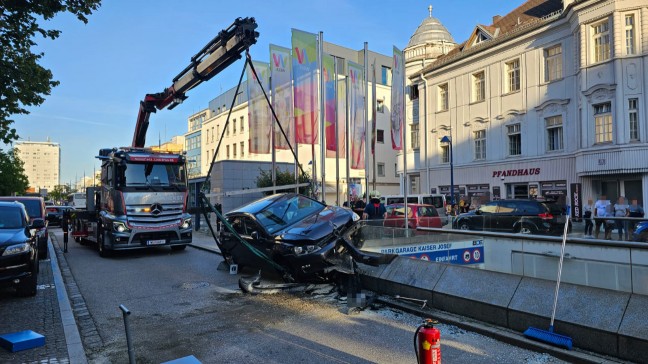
{"x": 182, "y": 305}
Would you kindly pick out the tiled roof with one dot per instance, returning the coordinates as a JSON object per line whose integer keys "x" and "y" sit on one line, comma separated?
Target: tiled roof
{"x": 524, "y": 17}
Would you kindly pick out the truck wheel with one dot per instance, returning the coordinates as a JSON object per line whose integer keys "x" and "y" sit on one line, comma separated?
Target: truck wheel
{"x": 100, "y": 245}
{"x": 178, "y": 247}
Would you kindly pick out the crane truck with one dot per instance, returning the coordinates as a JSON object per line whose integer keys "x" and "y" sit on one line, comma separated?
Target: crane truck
{"x": 142, "y": 200}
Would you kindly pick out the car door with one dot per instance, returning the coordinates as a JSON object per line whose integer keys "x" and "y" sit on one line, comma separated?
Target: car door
{"x": 506, "y": 216}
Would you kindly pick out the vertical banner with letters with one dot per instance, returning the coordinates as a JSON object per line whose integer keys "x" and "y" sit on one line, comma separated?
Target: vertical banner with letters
{"x": 259, "y": 114}
{"x": 576, "y": 201}
{"x": 282, "y": 97}
{"x": 397, "y": 99}
{"x": 341, "y": 114}
{"x": 356, "y": 116}
{"x": 305, "y": 68}
{"x": 328, "y": 78}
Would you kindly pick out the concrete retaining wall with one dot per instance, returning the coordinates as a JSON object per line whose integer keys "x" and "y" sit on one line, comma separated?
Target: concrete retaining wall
{"x": 603, "y": 321}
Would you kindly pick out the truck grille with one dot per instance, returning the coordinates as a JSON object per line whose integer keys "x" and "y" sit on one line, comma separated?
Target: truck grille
{"x": 161, "y": 214}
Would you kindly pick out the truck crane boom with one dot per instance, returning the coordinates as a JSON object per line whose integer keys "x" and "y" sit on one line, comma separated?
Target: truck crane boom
{"x": 214, "y": 57}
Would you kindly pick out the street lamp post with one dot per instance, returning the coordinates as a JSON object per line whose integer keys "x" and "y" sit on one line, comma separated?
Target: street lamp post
{"x": 448, "y": 140}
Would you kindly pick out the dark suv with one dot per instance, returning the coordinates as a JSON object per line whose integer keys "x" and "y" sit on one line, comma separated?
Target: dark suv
{"x": 35, "y": 207}
{"x": 18, "y": 248}
{"x": 513, "y": 216}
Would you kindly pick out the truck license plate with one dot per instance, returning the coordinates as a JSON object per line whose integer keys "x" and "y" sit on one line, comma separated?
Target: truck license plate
{"x": 156, "y": 242}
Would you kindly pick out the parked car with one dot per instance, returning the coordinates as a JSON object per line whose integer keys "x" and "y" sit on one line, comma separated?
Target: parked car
{"x": 640, "y": 232}
{"x": 512, "y": 216}
{"x": 298, "y": 236}
{"x": 417, "y": 216}
{"x": 35, "y": 207}
{"x": 55, "y": 214}
{"x": 18, "y": 248}
{"x": 437, "y": 200}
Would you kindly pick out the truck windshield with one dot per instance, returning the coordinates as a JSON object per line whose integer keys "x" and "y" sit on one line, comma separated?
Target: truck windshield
{"x": 154, "y": 174}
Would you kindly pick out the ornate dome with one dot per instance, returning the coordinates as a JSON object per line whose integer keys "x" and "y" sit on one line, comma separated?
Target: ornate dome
{"x": 430, "y": 31}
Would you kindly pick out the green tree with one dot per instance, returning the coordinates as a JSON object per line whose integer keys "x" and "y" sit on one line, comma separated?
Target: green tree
{"x": 12, "y": 174}
{"x": 59, "y": 193}
{"x": 264, "y": 179}
{"x": 23, "y": 81}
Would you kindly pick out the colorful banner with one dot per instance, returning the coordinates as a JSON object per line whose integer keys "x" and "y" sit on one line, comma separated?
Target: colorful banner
{"x": 259, "y": 114}
{"x": 304, "y": 61}
{"x": 341, "y": 111}
{"x": 328, "y": 79}
{"x": 397, "y": 100}
{"x": 356, "y": 115}
{"x": 282, "y": 97}
{"x": 373, "y": 110}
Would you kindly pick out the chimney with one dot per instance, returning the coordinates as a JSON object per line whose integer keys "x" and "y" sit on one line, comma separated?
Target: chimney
{"x": 496, "y": 18}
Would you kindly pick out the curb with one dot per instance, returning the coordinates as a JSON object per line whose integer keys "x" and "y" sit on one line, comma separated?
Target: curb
{"x": 76, "y": 353}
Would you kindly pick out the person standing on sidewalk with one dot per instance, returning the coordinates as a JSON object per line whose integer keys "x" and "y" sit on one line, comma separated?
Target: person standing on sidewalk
{"x": 635, "y": 211}
{"x": 587, "y": 216}
{"x": 621, "y": 209}
{"x": 375, "y": 211}
{"x": 600, "y": 212}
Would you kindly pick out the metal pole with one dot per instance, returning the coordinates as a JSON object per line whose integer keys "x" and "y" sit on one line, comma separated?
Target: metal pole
{"x": 348, "y": 133}
{"x": 337, "y": 140}
{"x": 322, "y": 115}
{"x": 131, "y": 353}
{"x": 272, "y": 140}
{"x": 366, "y": 116}
{"x": 452, "y": 193}
{"x": 404, "y": 118}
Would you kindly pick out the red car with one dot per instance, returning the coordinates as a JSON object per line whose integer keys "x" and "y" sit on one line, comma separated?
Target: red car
{"x": 417, "y": 215}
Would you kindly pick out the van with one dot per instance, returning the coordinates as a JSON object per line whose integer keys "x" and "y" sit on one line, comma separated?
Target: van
{"x": 436, "y": 200}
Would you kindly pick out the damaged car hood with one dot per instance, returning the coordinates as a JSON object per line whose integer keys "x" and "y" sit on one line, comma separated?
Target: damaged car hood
{"x": 317, "y": 227}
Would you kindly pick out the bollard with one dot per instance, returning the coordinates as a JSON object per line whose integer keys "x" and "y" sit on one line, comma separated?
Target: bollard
{"x": 131, "y": 354}
{"x": 65, "y": 241}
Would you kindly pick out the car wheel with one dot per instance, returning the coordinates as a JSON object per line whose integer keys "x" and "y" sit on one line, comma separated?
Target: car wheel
{"x": 525, "y": 229}
{"x": 42, "y": 251}
{"x": 100, "y": 244}
{"x": 178, "y": 247}
{"x": 27, "y": 286}
{"x": 463, "y": 225}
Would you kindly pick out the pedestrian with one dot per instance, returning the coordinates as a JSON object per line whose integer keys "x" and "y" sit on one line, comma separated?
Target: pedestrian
{"x": 359, "y": 205}
{"x": 374, "y": 210}
{"x": 621, "y": 209}
{"x": 600, "y": 212}
{"x": 587, "y": 215}
{"x": 635, "y": 211}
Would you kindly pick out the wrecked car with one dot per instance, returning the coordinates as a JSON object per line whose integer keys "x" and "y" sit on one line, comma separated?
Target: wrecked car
{"x": 303, "y": 239}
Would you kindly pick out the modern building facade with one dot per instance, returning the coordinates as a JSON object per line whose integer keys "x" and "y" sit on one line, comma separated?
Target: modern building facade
{"x": 42, "y": 163}
{"x": 207, "y": 126}
{"x": 547, "y": 101}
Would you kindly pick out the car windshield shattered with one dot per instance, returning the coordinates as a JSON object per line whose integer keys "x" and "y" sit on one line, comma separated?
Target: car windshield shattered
{"x": 286, "y": 212}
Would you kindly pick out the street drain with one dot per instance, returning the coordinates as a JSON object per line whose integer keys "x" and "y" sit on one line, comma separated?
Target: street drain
{"x": 194, "y": 285}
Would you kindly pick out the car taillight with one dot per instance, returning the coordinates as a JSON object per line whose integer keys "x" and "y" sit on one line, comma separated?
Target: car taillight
{"x": 546, "y": 216}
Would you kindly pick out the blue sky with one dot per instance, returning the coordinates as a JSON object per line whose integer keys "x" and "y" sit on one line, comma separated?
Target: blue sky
{"x": 131, "y": 48}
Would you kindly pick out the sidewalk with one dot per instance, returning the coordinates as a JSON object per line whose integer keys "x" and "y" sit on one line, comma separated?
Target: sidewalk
{"x": 48, "y": 313}
{"x": 205, "y": 241}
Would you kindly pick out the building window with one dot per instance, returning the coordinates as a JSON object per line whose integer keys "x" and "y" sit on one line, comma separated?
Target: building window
{"x": 601, "y": 39}
{"x": 480, "y": 144}
{"x": 227, "y": 129}
{"x": 480, "y": 38}
{"x": 380, "y": 169}
{"x": 445, "y": 154}
{"x": 629, "y": 34}
{"x": 242, "y": 149}
{"x": 414, "y": 132}
{"x": 218, "y": 131}
{"x": 380, "y": 136}
{"x": 443, "y": 97}
{"x": 234, "y": 126}
{"x": 479, "y": 86}
{"x": 554, "y": 133}
{"x": 227, "y": 155}
{"x": 514, "y": 139}
{"x": 212, "y": 140}
{"x": 513, "y": 75}
{"x": 386, "y": 76}
{"x": 380, "y": 106}
{"x": 242, "y": 124}
{"x": 395, "y": 169}
{"x": 553, "y": 63}
{"x": 234, "y": 150}
{"x": 633, "y": 116}
{"x": 603, "y": 122}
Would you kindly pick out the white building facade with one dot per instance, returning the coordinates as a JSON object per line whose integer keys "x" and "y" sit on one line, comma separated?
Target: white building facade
{"x": 42, "y": 163}
{"x": 548, "y": 101}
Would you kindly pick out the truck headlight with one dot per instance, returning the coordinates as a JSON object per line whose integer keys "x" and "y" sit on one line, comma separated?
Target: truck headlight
{"x": 120, "y": 227}
{"x": 17, "y": 249}
{"x": 186, "y": 224}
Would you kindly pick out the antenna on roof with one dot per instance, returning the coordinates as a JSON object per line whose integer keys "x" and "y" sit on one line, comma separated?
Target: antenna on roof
{"x": 430, "y": 10}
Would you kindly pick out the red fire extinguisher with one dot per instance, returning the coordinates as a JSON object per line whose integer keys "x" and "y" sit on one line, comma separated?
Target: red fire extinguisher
{"x": 427, "y": 343}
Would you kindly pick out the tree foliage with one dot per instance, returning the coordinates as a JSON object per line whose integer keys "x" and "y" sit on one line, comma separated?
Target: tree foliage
{"x": 264, "y": 179}
{"x": 59, "y": 193}
{"x": 23, "y": 81}
{"x": 12, "y": 174}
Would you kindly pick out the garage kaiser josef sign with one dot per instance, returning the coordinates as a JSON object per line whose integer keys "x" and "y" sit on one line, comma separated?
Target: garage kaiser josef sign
{"x": 462, "y": 252}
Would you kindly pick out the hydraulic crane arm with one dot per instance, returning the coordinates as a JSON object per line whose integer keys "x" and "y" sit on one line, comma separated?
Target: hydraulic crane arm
{"x": 217, "y": 55}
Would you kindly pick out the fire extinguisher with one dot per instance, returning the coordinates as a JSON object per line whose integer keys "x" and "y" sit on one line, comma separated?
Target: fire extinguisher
{"x": 427, "y": 343}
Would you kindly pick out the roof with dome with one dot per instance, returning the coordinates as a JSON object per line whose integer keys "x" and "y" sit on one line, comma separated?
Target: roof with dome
{"x": 430, "y": 31}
